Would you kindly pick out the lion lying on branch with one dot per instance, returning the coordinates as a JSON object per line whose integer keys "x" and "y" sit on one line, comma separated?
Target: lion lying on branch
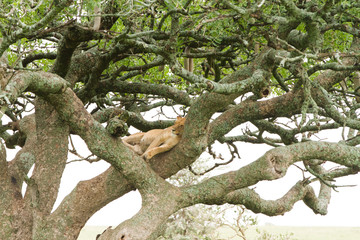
{"x": 156, "y": 141}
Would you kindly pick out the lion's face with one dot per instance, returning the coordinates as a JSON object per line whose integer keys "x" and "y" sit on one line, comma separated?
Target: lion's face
{"x": 178, "y": 127}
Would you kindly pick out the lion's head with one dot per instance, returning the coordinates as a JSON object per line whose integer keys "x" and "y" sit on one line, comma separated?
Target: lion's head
{"x": 178, "y": 127}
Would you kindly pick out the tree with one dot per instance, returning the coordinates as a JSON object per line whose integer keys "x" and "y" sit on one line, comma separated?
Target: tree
{"x": 287, "y": 67}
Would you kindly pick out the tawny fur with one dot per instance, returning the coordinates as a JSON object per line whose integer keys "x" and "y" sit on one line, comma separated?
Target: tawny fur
{"x": 156, "y": 141}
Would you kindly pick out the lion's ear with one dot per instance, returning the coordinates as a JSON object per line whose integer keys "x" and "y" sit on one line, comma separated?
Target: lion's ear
{"x": 178, "y": 118}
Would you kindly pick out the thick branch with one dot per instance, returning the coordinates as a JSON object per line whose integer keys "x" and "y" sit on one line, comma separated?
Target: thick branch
{"x": 152, "y": 215}
{"x": 272, "y": 165}
{"x": 73, "y": 112}
{"x": 25, "y": 158}
{"x": 51, "y": 155}
{"x": 99, "y": 141}
{"x": 39, "y": 82}
{"x": 301, "y": 191}
{"x": 86, "y": 199}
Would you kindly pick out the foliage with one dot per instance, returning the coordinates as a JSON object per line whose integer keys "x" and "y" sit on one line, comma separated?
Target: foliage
{"x": 275, "y": 73}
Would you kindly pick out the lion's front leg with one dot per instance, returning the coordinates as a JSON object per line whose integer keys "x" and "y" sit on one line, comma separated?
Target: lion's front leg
{"x": 154, "y": 151}
{"x": 169, "y": 144}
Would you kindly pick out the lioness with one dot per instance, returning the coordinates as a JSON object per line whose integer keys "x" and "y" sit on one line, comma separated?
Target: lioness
{"x": 156, "y": 141}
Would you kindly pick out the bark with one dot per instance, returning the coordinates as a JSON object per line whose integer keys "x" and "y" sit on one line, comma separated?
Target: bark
{"x": 81, "y": 122}
{"x": 111, "y": 64}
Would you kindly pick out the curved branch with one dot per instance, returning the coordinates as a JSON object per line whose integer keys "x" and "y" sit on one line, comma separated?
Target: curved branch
{"x": 283, "y": 106}
{"x": 161, "y": 90}
{"x": 37, "y": 56}
{"x": 300, "y": 191}
{"x": 98, "y": 141}
{"x": 25, "y": 158}
{"x": 39, "y": 82}
{"x": 72, "y": 111}
{"x": 272, "y": 165}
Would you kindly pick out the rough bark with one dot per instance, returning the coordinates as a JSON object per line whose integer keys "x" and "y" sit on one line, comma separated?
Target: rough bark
{"x": 112, "y": 67}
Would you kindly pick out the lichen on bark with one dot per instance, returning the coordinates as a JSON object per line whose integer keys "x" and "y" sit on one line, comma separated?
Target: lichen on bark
{"x": 108, "y": 80}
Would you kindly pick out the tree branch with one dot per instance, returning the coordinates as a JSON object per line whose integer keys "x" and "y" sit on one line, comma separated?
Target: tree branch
{"x": 25, "y": 158}
{"x": 161, "y": 90}
{"x": 300, "y": 191}
{"x": 28, "y": 30}
{"x": 50, "y": 161}
{"x": 273, "y": 165}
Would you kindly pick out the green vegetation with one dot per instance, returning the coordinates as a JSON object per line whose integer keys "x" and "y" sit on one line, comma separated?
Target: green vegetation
{"x": 272, "y": 73}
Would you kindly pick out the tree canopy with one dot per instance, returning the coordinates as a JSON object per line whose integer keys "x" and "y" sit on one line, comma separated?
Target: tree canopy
{"x": 274, "y": 72}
